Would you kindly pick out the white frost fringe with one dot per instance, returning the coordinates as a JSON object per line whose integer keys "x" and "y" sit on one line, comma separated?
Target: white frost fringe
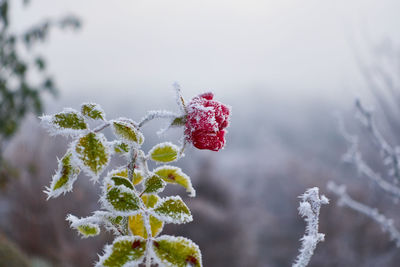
{"x": 309, "y": 209}
{"x": 345, "y": 200}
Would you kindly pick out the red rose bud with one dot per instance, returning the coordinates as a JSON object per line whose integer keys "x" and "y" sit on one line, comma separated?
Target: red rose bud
{"x": 206, "y": 121}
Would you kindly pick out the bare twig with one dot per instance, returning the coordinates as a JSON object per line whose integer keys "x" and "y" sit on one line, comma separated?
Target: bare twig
{"x": 345, "y": 200}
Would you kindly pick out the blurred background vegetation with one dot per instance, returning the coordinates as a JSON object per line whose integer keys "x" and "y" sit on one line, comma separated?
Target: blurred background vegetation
{"x": 285, "y": 67}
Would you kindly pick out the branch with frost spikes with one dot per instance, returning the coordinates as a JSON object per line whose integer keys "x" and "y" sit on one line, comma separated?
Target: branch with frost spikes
{"x": 157, "y": 114}
{"x": 345, "y": 200}
{"x": 354, "y": 157}
{"x": 389, "y": 154}
{"x": 309, "y": 209}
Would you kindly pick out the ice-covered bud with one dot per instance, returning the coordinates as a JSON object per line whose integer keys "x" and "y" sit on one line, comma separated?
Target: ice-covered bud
{"x": 206, "y": 121}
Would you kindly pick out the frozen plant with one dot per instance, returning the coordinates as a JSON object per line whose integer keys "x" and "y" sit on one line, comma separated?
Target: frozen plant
{"x": 309, "y": 208}
{"x": 130, "y": 205}
{"x": 388, "y": 183}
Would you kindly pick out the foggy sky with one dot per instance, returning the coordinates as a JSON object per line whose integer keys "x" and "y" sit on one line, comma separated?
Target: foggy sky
{"x": 283, "y": 47}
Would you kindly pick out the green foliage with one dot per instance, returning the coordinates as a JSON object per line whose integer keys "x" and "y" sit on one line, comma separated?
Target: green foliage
{"x": 122, "y": 200}
{"x": 172, "y": 210}
{"x": 64, "y": 178}
{"x": 69, "y": 120}
{"x": 174, "y": 175}
{"x": 92, "y": 111}
{"x": 121, "y": 147}
{"x": 176, "y": 251}
{"x": 127, "y": 132}
{"x": 153, "y": 185}
{"x": 88, "y": 230}
{"x": 164, "y": 152}
{"x": 122, "y": 181}
{"x": 92, "y": 152}
{"x": 124, "y": 250}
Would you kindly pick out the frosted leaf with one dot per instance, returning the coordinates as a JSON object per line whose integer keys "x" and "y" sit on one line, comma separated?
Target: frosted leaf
{"x": 174, "y": 251}
{"x": 120, "y": 147}
{"x": 120, "y": 199}
{"x": 164, "y": 152}
{"x": 67, "y": 122}
{"x": 154, "y": 185}
{"x": 138, "y": 228}
{"x": 127, "y": 131}
{"x": 124, "y": 251}
{"x": 172, "y": 210}
{"x": 118, "y": 180}
{"x": 64, "y": 177}
{"x": 84, "y": 226}
{"x": 92, "y": 111}
{"x": 92, "y": 153}
{"x": 123, "y": 172}
{"x": 174, "y": 175}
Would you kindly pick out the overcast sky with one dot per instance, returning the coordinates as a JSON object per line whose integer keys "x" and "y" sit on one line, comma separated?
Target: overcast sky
{"x": 289, "y": 47}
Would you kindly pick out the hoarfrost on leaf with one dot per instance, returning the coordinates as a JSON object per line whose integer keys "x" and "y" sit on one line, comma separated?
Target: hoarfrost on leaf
{"x": 124, "y": 251}
{"x": 164, "y": 152}
{"x": 63, "y": 180}
{"x": 172, "y": 210}
{"x": 127, "y": 131}
{"x": 174, "y": 175}
{"x": 67, "y": 122}
{"x": 92, "y": 153}
{"x": 85, "y": 226}
{"x": 176, "y": 252}
{"x": 92, "y": 111}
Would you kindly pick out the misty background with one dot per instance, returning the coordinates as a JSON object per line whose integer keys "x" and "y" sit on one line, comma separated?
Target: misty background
{"x": 286, "y": 67}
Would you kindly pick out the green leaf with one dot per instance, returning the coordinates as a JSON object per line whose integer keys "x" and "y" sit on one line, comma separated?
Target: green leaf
{"x": 137, "y": 175}
{"x": 164, "y": 152}
{"x": 176, "y": 251}
{"x": 122, "y": 200}
{"x": 125, "y": 251}
{"x": 88, "y": 229}
{"x": 172, "y": 210}
{"x": 174, "y": 175}
{"x": 154, "y": 185}
{"x": 127, "y": 132}
{"x": 179, "y": 121}
{"x": 92, "y": 111}
{"x": 92, "y": 153}
{"x": 84, "y": 226}
{"x": 64, "y": 178}
{"x": 68, "y": 121}
{"x": 120, "y": 147}
{"x": 118, "y": 180}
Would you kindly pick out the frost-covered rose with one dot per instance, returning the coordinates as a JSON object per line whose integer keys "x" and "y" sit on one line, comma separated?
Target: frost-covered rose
{"x": 206, "y": 121}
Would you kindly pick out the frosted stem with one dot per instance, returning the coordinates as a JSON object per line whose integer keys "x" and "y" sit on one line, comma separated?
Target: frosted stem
{"x": 309, "y": 209}
{"x": 157, "y": 114}
{"x": 345, "y": 200}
